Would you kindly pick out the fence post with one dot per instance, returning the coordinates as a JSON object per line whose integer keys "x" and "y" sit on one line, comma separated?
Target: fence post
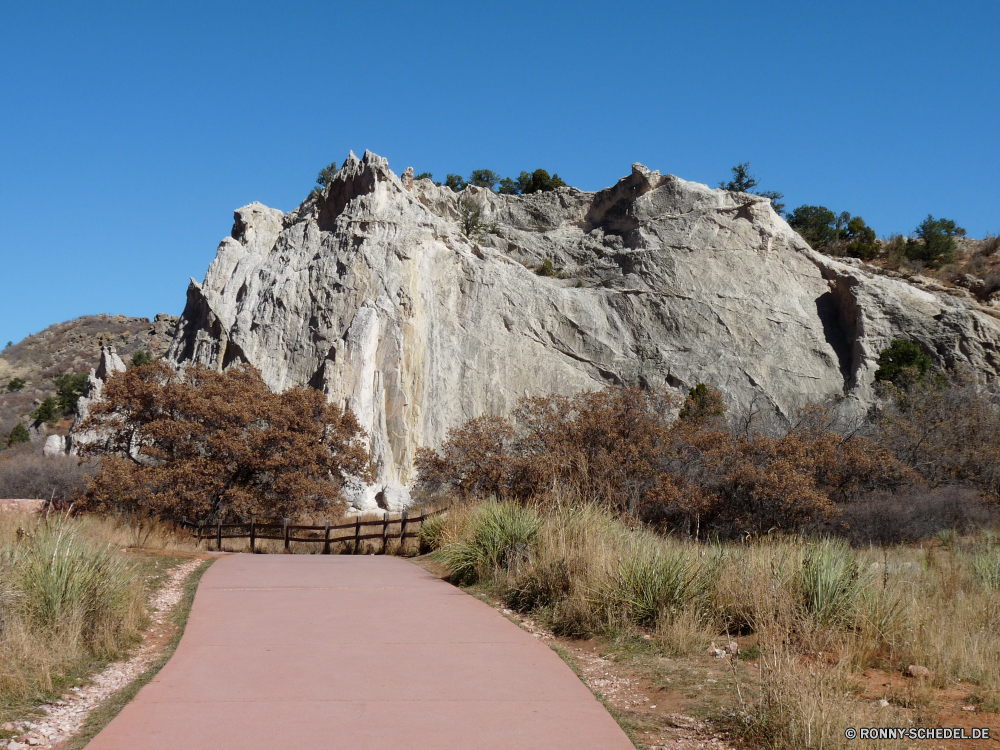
{"x": 253, "y": 537}
{"x": 402, "y": 529}
{"x": 288, "y": 545}
{"x": 423, "y": 517}
{"x": 218, "y": 538}
{"x": 326, "y": 538}
{"x": 385, "y": 531}
{"x": 357, "y": 533}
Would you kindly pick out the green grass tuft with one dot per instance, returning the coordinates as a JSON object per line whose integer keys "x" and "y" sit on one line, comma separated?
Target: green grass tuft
{"x": 832, "y": 581}
{"x": 986, "y": 567}
{"x": 501, "y": 536}
{"x": 650, "y": 583}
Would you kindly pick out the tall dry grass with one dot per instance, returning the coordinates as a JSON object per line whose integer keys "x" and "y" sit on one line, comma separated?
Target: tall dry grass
{"x": 68, "y": 600}
{"x": 820, "y": 610}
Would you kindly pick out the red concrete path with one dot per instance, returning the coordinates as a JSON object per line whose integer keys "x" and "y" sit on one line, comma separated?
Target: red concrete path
{"x": 310, "y": 651}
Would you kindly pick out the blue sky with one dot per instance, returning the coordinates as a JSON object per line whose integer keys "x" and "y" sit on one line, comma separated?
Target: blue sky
{"x": 130, "y": 131}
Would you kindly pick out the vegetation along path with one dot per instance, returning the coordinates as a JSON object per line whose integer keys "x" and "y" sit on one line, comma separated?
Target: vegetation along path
{"x": 316, "y": 651}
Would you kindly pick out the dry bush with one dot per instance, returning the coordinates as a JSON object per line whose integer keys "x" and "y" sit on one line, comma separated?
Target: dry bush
{"x": 991, "y": 285}
{"x": 624, "y": 449}
{"x": 598, "y": 443}
{"x": 894, "y": 253}
{"x": 755, "y": 588}
{"x": 205, "y": 446}
{"x": 911, "y": 515}
{"x": 989, "y": 245}
{"x": 24, "y": 474}
{"x": 808, "y": 706}
{"x": 953, "y": 625}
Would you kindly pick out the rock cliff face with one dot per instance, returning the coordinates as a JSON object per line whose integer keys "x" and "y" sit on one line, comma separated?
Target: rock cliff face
{"x": 373, "y": 292}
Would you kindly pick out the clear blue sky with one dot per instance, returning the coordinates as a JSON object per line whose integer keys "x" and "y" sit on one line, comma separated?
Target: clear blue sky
{"x": 130, "y": 131}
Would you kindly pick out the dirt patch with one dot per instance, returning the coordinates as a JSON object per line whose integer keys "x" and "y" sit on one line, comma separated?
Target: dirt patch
{"x": 953, "y": 706}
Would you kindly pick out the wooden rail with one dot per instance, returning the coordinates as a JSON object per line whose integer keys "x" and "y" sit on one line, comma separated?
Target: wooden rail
{"x": 283, "y": 531}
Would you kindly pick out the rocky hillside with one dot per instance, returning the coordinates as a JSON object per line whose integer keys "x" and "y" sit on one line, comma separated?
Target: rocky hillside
{"x": 420, "y": 307}
{"x": 73, "y": 346}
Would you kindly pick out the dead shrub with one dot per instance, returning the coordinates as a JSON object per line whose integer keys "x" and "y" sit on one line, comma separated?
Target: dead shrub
{"x": 912, "y": 515}
{"x": 989, "y": 245}
{"x": 945, "y": 428}
{"x": 24, "y": 474}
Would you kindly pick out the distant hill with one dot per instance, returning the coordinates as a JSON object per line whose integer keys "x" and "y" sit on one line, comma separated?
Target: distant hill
{"x": 73, "y": 346}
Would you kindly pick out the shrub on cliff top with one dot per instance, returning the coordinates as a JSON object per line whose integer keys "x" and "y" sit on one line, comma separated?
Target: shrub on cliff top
{"x": 936, "y": 245}
{"x": 744, "y": 182}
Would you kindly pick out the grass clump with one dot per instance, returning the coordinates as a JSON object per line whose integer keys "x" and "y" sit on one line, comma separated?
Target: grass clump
{"x": 500, "y": 536}
{"x": 796, "y": 708}
{"x": 986, "y": 567}
{"x": 429, "y": 538}
{"x": 832, "y": 582}
{"x": 69, "y": 603}
{"x": 66, "y": 580}
{"x": 651, "y": 584}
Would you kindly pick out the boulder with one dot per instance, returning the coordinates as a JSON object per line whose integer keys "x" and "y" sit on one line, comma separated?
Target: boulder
{"x": 372, "y": 291}
{"x": 55, "y": 445}
{"x": 968, "y": 281}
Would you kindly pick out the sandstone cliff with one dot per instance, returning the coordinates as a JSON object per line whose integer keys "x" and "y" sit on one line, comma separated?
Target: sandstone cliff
{"x": 372, "y": 292}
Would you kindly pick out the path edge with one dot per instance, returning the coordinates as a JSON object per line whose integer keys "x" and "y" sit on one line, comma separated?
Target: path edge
{"x": 563, "y": 654}
{"x": 102, "y": 715}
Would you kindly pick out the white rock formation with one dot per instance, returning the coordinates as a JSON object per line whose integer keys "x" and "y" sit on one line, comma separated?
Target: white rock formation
{"x": 372, "y": 292}
{"x": 110, "y": 363}
{"x": 55, "y": 445}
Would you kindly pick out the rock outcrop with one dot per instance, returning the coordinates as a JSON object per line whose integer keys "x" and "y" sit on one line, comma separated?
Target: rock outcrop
{"x": 109, "y": 364}
{"x": 55, "y": 445}
{"x": 419, "y": 307}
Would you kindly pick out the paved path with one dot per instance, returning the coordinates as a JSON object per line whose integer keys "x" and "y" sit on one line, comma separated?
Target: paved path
{"x": 310, "y": 651}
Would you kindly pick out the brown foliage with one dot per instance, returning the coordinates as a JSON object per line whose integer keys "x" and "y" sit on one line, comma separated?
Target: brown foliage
{"x": 210, "y": 446}
{"x": 624, "y": 448}
{"x": 946, "y": 429}
{"x": 598, "y": 443}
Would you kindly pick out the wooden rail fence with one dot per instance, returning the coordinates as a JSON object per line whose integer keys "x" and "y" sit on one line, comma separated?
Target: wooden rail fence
{"x": 409, "y": 527}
